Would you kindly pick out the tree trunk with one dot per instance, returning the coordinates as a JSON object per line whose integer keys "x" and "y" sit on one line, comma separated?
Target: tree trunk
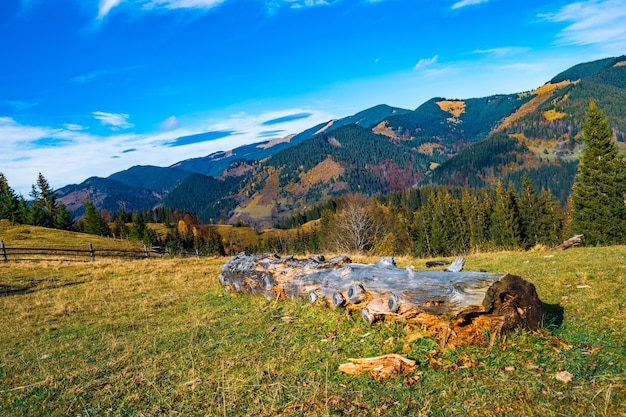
{"x": 569, "y": 243}
{"x": 456, "y": 307}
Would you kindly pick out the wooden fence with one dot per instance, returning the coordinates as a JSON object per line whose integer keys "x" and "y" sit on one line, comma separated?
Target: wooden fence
{"x": 38, "y": 254}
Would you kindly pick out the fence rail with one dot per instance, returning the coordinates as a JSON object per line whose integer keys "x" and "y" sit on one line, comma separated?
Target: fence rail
{"x": 31, "y": 254}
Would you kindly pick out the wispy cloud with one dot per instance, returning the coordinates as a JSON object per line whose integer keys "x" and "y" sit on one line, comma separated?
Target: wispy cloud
{"x": 202, "y": 137}
{"x": 86, "y": 78}
{"x": 53, "y": 150}
{"x": 425, "y": 62}
{"x": 593, "y": 22}
{"x": 18, "y": 105}
{"x": 182, "y": 4}
{"x": 465, "y": 3}
{"x": 116, "y": 120}
{"x": 170, "y": 123}
{"x": 105, "y": 6}
{"x": 287, "y": 118}
{"x": 74, "y": 127}
{"x": 504, "y": 51}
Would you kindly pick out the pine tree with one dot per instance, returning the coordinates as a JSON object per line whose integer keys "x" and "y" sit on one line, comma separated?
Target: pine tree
{"x": 9, "y": 203}
{"x": 63, "y": 219}
{"x": 120, "y": 229}
{"x": 505, "y": 228}
{"x": 598, "y": 208}
{"x": 139, "y": 227}
{"x": 550, "y": 221}
{"x": 475, "y": 219}
{"x": 44, "y": 203}
{"x": 528, "y": 214}
{"x": 92, "y": 221}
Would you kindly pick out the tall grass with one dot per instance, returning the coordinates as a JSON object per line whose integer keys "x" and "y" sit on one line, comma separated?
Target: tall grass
{"x": 162, "y": 337}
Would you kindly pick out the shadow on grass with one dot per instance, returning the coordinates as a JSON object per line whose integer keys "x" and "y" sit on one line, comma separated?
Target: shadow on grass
{"x": 33, "y": 286}
{"x": 553, "y": 316}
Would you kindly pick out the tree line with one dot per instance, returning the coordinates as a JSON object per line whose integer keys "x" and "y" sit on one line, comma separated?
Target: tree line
{"x": 425, "y": 221}
{"x": 185, "y": 234}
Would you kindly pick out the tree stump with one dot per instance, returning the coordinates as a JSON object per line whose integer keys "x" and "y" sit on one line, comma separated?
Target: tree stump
{"x": 456, "y": 307}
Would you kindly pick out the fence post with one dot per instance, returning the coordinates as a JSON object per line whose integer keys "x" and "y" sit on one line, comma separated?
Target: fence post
{"x": 145, "y": 251}
{"x": 4, "y": 251}
{"x": 92, "y": 254}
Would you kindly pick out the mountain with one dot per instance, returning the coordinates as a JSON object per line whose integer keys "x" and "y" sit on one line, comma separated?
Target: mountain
{"x": 159, "y": 181}
{"x": 216, "y": 163}
{"x": 149, "y": 177}
{"x": 391, "y": 155}
{"x": 137, "y": 188}
{"x": 106, "y": 194}
{"x": 473, "y": 142}
{"x": 542, "y": 139}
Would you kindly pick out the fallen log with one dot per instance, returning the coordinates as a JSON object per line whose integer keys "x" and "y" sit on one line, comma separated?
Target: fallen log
{"x": 456, "y": 307}
{"x": 574, "y": 240}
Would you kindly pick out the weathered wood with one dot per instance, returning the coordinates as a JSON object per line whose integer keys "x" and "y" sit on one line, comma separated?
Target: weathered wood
{"x": 569, "y": 243}
{"x": 379, "y": 367}
{"x": 454, "y": 306}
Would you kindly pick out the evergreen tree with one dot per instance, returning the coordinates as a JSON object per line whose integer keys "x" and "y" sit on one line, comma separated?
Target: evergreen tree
{"x": 24, "y": 211}
{"x": 529, "y": 215}
{"x": 505, "y": 228}
{"x": 120, "y": 229}
{"x": 139, "y": 227}
{"x": 598, "y": 210}
{"x": 63, "y": 219}
{"x": 44, "y": 203}
{"x": 92, "y": 222}
{"x": 550, "y": 221}
{"x": 9, "y": 203}
{"x": 475, "y": 219}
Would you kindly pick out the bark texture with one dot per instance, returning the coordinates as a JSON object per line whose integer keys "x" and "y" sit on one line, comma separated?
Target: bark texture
{"x": 456, "y": 307}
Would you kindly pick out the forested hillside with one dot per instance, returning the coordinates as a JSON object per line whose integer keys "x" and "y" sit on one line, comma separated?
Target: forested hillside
{"x": 473, "y": 142}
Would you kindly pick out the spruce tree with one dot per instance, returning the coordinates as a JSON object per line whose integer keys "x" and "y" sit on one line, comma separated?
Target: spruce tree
{"x": 92, "y": 221}
{"x": 505, "y": 226}
{"x": 9, "y": 203}
{"x": 598, "y": 208}
{"x": 528, "y": 214}
{"x": 550, "y": 220}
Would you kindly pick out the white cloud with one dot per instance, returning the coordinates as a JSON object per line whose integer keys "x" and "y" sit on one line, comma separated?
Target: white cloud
{"x": 74, "y": 127}
{"x": 105, "y": 7}
{"x": 68, "y": 155}
{"x": 504, "y": 51}
{"x": 464, "y": 3}
{"x": 116, "y": 120}
{"x": 170, "y": 123}
{"x": 425, "y": 62}
{"x": 593, "y": 22}
{"x": 182, "y": 4}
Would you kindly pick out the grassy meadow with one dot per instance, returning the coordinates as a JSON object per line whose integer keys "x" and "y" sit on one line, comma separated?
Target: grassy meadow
{"x": 162, "y": 337}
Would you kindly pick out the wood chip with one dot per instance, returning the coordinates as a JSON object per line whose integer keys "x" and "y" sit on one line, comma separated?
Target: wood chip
{"x": 564, "y": 377}
{"x": 379, "y": 367}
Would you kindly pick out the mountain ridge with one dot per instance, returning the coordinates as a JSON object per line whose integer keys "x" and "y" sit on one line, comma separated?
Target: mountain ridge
{"x": 386, "y": 148}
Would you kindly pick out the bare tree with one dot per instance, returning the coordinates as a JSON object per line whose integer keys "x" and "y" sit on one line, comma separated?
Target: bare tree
{"x": 357, "y": 227}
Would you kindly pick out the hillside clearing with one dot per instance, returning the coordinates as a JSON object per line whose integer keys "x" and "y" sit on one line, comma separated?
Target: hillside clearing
{"x": 156, "y": 337}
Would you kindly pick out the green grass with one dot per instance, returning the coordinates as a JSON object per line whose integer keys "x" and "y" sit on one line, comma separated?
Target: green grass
{"x": 162, "y": 337}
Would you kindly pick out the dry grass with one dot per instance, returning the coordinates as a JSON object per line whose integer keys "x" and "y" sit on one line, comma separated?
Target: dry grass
{"x": 162, "y": 337}
{"x": 455, "y": 107}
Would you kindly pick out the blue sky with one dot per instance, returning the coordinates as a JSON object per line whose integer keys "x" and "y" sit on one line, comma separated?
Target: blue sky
{"x": 92, "y": 87}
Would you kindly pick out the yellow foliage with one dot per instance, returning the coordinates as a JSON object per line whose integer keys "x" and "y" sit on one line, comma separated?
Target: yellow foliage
{"x": 454, "y": 107}
{"x": 182, "y": 227}
{"x": 553, "y": 115}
